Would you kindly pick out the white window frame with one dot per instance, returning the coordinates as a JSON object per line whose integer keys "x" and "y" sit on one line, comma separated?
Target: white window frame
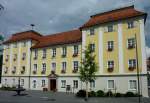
{"x": 43, "y": 83}
{"x": 22, "y": 82}
{"x": 75, "y": 49}
{"x": 75, "y": 65}
{"x": 35, "y": 69}
{"x": 108, "y": 84}
{"x": 24, "y": 55}
{"x": 132, "y": 63}
{"x": 92, "y": 84}
{"x": 63, "y": 83}
{"x": 35, "y": 53}
{"x": 64, "y": 65}
{"x": 129, "y": 85}
{"x": 112, "y": 64}
{"x": 110, "y": 45}
{"x": 34, "y": 83}
{"x": 44, "y": 53}
{"x": 53, "y": 66}
{"x": 64, "y": 50}
{"x": 44, "y": 67}
{"x": 131, "y": 42}
{"x": 110, "y": 30}
{"x": 75, "y": 84}
{"x": 131, "y": 24}
{"x": 92, "y": 31}
{"x": 53, "y": 52}
{"x": 92, "y": 47}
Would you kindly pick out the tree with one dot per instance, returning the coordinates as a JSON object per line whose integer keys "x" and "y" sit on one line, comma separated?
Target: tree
{"x": 88, "y": 68}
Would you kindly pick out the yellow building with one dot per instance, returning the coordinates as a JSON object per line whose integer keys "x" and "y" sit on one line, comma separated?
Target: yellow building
{"x": 53, "y": 61}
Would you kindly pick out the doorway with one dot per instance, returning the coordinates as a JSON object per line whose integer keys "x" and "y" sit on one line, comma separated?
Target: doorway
{"x": 52, "y": 84}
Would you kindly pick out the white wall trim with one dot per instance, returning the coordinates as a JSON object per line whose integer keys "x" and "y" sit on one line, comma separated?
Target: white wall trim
{"x": 143, "y": 51}
{"x": 120, "y": 46}
{"x": 100, "y": 44}
{"x": 28, "y": 55}
{"x": 19, "y": 57}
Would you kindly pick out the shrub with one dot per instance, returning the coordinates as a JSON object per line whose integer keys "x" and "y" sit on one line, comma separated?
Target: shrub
{"x": 109, "y": 94}
{"x": 118, "y": 95}
{"x": 100, "y": 93}
{"x": 92, "y": 94}
{"x": 130, "y": 94}
{"x": 7, "y": 88}
{"x": 81, "y": 93}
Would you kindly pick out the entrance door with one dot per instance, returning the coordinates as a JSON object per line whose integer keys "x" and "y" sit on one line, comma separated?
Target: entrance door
{"x": 52, "y": 84}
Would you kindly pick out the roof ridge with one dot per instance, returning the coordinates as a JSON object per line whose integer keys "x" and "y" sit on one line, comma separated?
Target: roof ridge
{"x": 60, "y": 33}
{"x": 19, "y": 33}
{"x": 117, "y": 9}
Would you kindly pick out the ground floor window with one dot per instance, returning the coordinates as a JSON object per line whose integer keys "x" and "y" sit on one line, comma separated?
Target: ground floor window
{"x": 34, "y": 83}
{"x": 22, "y": 82}
{"x": 132, "y": 85}
{"x": 111, "y": 84}
{"x": 43, "y": 83}
{"x": 5, "y": 82}
{"x": 92, "y": 84}
{"x": 75, "y": 83}
{"x": 13, "y": 82}
{"x": 63, "y": 83}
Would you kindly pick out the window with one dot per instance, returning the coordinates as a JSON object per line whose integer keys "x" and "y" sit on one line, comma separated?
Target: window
{"x": 64, "y": 51}
{"x": 15, "y": 45}
{"x": 13, "y": 82}
{"x": 7, "y": 57}
{"x": 92, "y": 31}
{"x": 130, "y": 24}
{"x": 111, "y": 84}
{"x": 5, "y": 82}
{"x": 15, "y": 57}
{"x": 24, "y": 44}
{"x": 110, "y": 28}
{"x": 131, "y": 43}
{"x": 92, "y": 47}
{"x": 92, "y": 84}
{"x": 53, "y": 66}
{"x": 44, "y": 53}
{"x": 75, "y": 49}
{"x": 23, "y": 70}
{"x": 132, "y": 63}
{"x": 6, "y": 70}
{"x": 35, "y": 54}
{"x": 44, "y": 67}
{"x": 54, "y": 52}
{"x": 75, "y": 63}
{"x": 75, "y": 83}
{"x": 23, "y": 56}
{"x": 43, "y": 83}
{"x": 110, "y": 45}
{"x": 22, "y": 82}
{"x": 34, "y": 83}
{"x": 35, "y": 69}
{"x": 14, "y": 70}
{"x": 64, "y": 65}
{"x": 132, "y": 85}
{"x": 111, "y": 64}
{"x": 63, "y": 83}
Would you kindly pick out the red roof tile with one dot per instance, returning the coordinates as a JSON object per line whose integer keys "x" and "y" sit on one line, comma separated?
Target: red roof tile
{"x": 114, "y": 15}
{"x": 24, "y": 36}
{"x": 68, "y": 37}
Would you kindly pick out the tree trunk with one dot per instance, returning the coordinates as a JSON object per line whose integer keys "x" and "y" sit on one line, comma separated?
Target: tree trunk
{"x": 86, "y": 98}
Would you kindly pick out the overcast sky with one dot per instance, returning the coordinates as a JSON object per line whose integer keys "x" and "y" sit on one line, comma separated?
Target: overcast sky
{"x": 51, "y": 16}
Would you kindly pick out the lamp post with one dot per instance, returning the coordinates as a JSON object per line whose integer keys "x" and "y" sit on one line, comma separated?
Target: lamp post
{"x": 138, "y": 75}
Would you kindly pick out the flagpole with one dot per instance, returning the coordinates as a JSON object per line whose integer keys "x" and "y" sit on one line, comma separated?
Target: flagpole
{"x": 138, "y": 76}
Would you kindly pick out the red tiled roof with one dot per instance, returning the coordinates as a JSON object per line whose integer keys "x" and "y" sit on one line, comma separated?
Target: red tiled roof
{"x": 114, "y": 15}
{"x": 24, "y": 36}
{"x": 73, "y": 36}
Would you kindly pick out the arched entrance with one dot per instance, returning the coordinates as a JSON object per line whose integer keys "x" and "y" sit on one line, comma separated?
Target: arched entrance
{"x": 52, "y": 79}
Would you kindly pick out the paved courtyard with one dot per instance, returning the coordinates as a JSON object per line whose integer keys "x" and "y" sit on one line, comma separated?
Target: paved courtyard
{"x": 49, "y": 97}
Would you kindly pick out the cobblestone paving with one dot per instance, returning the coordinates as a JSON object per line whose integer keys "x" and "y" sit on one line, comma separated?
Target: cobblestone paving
{"x": 49, "y": 97}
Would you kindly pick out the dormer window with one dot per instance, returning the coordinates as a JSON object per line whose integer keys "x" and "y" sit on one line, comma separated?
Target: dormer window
{"x": 92, "y": 31}
{"x": 130, "y": 24}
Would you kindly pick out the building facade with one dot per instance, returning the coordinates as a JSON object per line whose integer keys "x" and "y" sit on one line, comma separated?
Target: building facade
{"x": 116, "y": 38}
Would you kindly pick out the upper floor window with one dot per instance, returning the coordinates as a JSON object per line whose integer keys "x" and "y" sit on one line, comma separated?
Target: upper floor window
{"x": 35, "y": 69}
{"x": 63, "y": 83}
{"x": 53, "y": 66}
{"x": 6, "y": 70}
{"x": 130, "y": 24}
{"x": 132, "y": 85}
{"x": 132, "y": 63}
{"x": 131, "y": 43}
{"x": 92, "y": 31}
{"x": 54, "y": 52}
{"x": 75, "y": 66}
{"x": 23, "y": 70}
{"x": 35, "y": 54}
{"x": 43, "y": 68}
{"x": 75, "y": 51}
{"x": 15, "y": 45}
{"x": 24, "y": 44}
{"x": 110, "y": 64}
{"x": 43, "y": 83}
{"x": 23, "y": 56}
{"x": 7, "y": 58}
{"x": 75, "y": 83}
{"x": 110, "y": 45}
{"x": 110, "y": 28}
{"x": 15, "y": 57}
{"x": 111, "y": 84}
{"x": 14, "y": 70}
{"x": 92, "y": 47}
{"x": 44, "y": 53}
{"x": 64, "y": 51}
{"x": 64, "y": 65}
